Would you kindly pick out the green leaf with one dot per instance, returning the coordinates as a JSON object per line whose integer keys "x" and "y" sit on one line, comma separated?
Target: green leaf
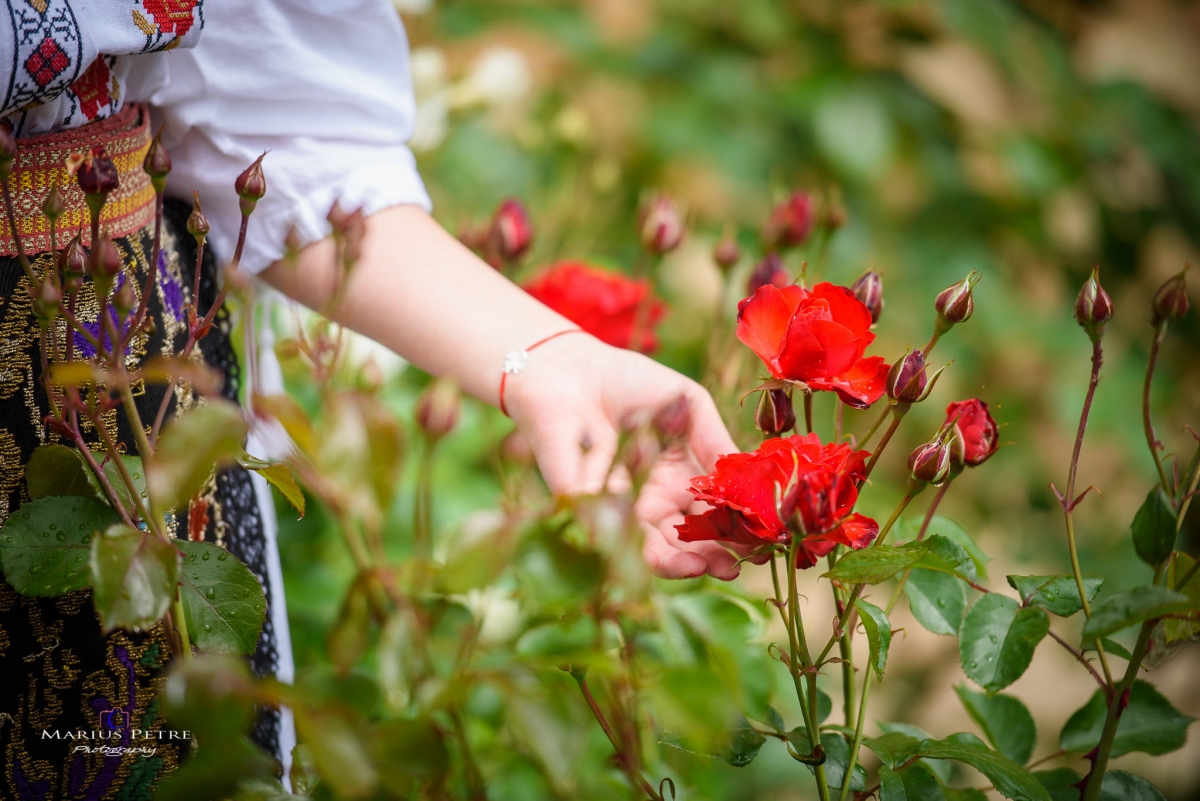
{"x": 873, "y": 565}
{"x": 1009, "y": 778}
{"x": 946, "y": 555}
{"x": 738, "y": 748}
{"x": 914, "y": 783}
{"x": 824, "y": 706}
{"x": 350, "y": 634}
{"x": 409, "y": 753}
{"x": 133, "y": 575}
{"x": 58, "y": 470}
{"x": 1176, "y": 630}
{"x": 939, "y": 768}
{"x": 1005, "y": 722}
{"x": 45, "y": 544}
{"x": 1110, "y": 647}
{"x": 966, "y": 794}
{"x": 893, "y": 748}
{"x": 561, "y": 638}
{"x": 1125, "y": 609}
{"x": 879, "y": 634}
{"x": 200, "y": 440}
{"x": 1154, "y": 528}
{"x": 281, "y": 478}
{"x": 1150, "y": 724}
{"x": 340, "y": 749}
{"x": 1059, "y": 783}
{"x": 946, "y": 527}
{"x": 997, "y": 639}
{"x": 1058, "y": 595}
{"x": 1121, "y": 786}
{"x": 937, "y": 600}
{"x": 223, "y": 602}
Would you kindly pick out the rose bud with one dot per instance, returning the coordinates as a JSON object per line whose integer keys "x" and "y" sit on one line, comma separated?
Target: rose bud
{"x": 511, "y": 233}
{"x": 45, "y": 302}
{"x": 930, "y": 463}
{"x": 906, "y": 380}
{"x": 438, "y": 409}
{"x": 869, "y": 290}
{"x": 673, "y": 421}
{"x": 8, "y": 150}
{"x": 53, "y": 206}
{"x": 251, "y": 185}
{"x": 662, "y": 226}
{"x": 955, "y": 304}
{"x": 641, "y": 451}
{"x": 197, "y": 223}
{"x": 72, "y": 260}
{"x": 835, "y": 214}
{"x": 727, "y": 253}
{"x": 109, "y": 263}
{"x": 790, "y": 222}
{"x": 775, "y": 413}
{"x": 123, "y": 299}
{"x": 1171, "y": 300}
{"x": 96, "y": 174}
{"x": 768, "y": 271}
{"x": 1093, "y": 307}
{"x": 976, "y": 435}
{"x": 157, "y": 163}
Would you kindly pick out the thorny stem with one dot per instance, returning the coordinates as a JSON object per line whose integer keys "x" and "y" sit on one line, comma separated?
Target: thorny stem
{"x": 152, "y": 277}
{"x": 1068, "y": 502}
{"x": 808, "y": 411}
{"x": 201, "y": 328}
{"x": 929, "y": 513}
{"x": 634, "y": 776}
{"x": 98, "y": 471}
{"x": 1160, "y": 332}
{"x": 845, "y": 649}
{"x": 794, "y": 649}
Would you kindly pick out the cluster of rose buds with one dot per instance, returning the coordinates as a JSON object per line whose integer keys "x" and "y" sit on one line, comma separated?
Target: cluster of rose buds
{"x": 967, "y": 438}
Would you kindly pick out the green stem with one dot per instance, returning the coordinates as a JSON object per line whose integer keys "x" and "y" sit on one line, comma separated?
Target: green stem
{"x": 423, "y": 504}
{"x": 933, "y": 505}
{"x": 635, "y": 776}
{"x": 875, "y": 426}
{"x": 808, "y": 411}
{"x": 858, "y": 730}
{"x": 793, "y": 648}
{"x": 800, "y": 653}
{"x": 180, "y": 621}
{"x": 898, "y": 412}
{"x": 1147, "y": 423}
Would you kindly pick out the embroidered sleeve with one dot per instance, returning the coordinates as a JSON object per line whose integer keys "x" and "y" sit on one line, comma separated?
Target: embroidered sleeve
{"x": 62, "y": 61}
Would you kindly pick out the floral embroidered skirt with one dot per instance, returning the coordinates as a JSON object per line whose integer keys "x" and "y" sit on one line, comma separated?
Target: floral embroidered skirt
{"x": 58, "y": 671}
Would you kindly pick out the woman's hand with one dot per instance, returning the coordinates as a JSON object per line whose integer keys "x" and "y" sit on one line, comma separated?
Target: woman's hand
{"x": 570, "y": 402}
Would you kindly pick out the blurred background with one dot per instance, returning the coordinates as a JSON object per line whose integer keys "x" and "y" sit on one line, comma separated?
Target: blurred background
{"x": 1026, "y": 140}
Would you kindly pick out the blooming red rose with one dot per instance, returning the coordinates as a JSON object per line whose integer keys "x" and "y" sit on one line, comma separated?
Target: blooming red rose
{"x": 816, "y": 486}
{"x": 815, "y": 336}
{"x": 605, "y": 304}
{"x": 976, "y": 435}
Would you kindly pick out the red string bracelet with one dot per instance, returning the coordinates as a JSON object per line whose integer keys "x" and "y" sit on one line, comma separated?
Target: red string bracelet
{"x": 516, "y": 360}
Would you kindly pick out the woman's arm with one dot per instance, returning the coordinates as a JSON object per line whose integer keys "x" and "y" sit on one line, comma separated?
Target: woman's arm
{"x": 420, "y": 292}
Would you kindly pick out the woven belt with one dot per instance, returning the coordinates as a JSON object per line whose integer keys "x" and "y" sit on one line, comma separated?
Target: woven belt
{"x": 41, "y": 163}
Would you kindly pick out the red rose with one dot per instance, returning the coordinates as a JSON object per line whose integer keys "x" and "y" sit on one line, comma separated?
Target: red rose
{"x": 605, "y": 304}
{"x": 976, "y": 434}
{"x": 816, "y": 486}
{"x": 816, "y": 337}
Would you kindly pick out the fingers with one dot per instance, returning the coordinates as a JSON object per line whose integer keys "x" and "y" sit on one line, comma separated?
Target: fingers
{"x": 707, "y": 437}
{"x": 668, "y": 558}
{"x": 575, "y": 461}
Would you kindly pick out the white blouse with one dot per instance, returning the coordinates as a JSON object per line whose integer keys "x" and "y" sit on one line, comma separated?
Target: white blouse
{"x": 324, "y": 87}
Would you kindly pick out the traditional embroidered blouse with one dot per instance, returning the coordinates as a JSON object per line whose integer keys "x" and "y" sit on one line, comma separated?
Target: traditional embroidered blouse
{"x": 323, "y": 86}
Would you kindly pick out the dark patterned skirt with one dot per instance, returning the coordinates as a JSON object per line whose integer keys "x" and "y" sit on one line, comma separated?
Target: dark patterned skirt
{"x": 58, "y": 670}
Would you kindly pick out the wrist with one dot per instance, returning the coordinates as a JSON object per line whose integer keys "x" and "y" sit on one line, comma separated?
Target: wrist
{"x": 555, "y": 374}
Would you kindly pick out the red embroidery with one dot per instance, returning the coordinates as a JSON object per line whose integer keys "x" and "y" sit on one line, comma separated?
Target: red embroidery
{"x": 172, "y": 16}
{"x": 197, "y": 519}
{"x": 47, "y": 62}
{"x": 92, "y": 88}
